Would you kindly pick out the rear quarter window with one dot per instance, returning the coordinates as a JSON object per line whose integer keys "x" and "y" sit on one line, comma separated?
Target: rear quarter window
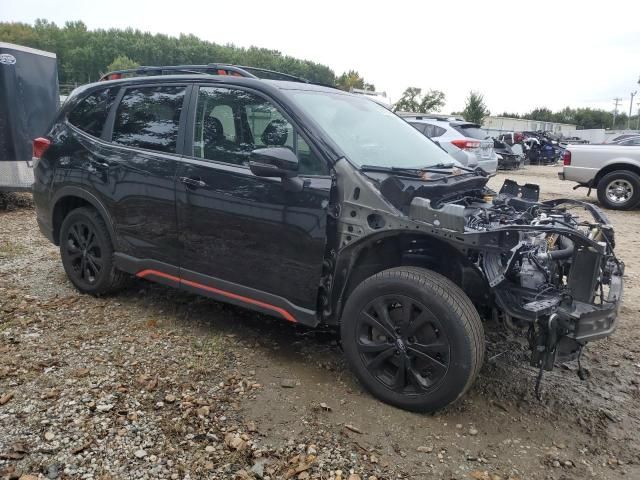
{"x": 418, "y": 126}
{"x": 91, "y": 113}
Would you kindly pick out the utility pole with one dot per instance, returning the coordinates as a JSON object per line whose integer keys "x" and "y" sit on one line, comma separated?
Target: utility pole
{"x": 615, "y": 111}
{"x": 630, "y": 108}
{"x": 638, "y": 116}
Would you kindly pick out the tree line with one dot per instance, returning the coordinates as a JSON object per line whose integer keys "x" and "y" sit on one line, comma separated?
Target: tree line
{"x": 582, "y": 117}
{"x": 84, "y": 55}
{"x": 416, "y": 100}
{"x": 431, "y": 101}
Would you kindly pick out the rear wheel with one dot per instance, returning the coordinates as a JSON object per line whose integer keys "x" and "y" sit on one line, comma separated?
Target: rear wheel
{"x": 413, "y": 338}
{"x": 619, "y": 190}
{"x": 87, "y": 253}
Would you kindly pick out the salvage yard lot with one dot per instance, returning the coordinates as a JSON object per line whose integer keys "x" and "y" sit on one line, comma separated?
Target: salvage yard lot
{"x": 157, "y": 383}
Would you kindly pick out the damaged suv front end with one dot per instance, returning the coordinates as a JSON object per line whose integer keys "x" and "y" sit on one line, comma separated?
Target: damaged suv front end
{"x": 544, "y": 267}
{"x": 419, "y": 243}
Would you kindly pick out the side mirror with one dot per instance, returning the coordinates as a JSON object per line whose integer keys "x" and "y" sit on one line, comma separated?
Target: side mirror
{"x": 274, "y": 162}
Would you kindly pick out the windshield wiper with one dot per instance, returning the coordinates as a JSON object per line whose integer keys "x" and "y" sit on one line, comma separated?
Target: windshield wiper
{"x": 416, "y": 172}
{"x": 411, "y": 172}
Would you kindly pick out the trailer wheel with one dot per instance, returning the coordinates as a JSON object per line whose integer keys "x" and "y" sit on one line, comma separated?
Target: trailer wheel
{"x": 619, "y": 190}
{"x": 87, "y": 253}
{"x": 413, "y": 338}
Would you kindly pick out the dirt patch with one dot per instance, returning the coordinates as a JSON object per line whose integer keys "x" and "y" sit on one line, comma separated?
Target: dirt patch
{"x": 156, "y": 383}
{"x": 13, "y": 200}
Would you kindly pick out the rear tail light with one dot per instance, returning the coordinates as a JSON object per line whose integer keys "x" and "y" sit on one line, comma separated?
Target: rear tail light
{"x": 466, "y": 144}
{"x": 40, "y": 145}
{"x": 566, "y": 158}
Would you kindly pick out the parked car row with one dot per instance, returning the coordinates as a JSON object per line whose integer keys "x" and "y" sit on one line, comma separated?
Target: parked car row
{"x": 539, "y": 148}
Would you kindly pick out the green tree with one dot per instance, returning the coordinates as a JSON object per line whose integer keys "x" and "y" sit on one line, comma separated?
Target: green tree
{"x": 475, "y": 109}
{"x": 413, "y": 100}
{"x": 432, "y": 101}
{"x": 352, "y": 79}
{"x": 122, "y": 62}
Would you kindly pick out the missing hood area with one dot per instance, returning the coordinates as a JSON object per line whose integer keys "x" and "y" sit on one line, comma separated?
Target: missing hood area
{"x": 548, "y": 267}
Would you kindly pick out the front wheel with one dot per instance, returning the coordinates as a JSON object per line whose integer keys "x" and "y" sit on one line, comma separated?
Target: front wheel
{"x": 619, "y": 190}
{"x": 413, "y": 338}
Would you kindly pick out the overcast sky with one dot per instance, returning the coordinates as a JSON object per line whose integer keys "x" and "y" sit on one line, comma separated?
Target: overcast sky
{"x": 520, "y": 55}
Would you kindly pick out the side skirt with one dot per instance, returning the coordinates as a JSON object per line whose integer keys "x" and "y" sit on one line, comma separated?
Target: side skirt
{"x": 215, "y": 288}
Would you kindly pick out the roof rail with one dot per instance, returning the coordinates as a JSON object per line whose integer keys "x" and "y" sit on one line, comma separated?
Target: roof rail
{"x": 210, "y": 69}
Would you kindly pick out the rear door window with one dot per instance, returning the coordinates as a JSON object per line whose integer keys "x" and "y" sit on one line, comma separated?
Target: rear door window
{"x": 149, "y": 117}
{"x": 90, "y": 114}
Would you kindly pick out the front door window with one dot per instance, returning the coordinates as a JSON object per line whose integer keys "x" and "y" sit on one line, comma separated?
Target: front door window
{"x": 230, "y": 123}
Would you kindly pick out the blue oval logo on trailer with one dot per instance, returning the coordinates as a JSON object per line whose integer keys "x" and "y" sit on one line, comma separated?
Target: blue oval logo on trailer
{"x": 7, "y": 59}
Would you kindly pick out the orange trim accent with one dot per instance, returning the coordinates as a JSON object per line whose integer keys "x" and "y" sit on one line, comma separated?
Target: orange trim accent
{"x": 281, "y": 311}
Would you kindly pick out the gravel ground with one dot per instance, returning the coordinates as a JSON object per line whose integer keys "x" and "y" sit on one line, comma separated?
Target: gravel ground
{"x": 157, "y": 383}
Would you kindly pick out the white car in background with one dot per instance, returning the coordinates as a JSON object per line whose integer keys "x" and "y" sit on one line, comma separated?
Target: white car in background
{"x": 463, "y": 140}
{"x": 613, "y": 170}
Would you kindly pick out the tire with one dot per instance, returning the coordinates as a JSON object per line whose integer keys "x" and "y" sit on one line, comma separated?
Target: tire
{"x": 433, "y": 316}
{"x": 85, "y": 245}
{"x": 619, "y": 190}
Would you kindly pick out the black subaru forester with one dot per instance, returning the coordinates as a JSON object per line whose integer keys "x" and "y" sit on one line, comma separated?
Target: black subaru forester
{"x": 320, "y": 207}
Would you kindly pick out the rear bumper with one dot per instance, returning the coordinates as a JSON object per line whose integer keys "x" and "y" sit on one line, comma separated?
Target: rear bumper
{"x": 489, "y": 166}
{"x": 561, "y": 175}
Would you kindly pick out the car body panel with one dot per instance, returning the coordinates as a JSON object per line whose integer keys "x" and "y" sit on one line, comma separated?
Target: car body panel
{"x": 588, "y": 160}
{"x": 252, "y": 231}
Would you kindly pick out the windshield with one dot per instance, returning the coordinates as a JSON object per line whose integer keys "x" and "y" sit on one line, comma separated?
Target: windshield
{"x": 368, "y": 133}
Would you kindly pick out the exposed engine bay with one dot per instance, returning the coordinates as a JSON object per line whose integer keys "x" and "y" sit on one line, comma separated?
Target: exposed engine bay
{"x": 549, "y": 266}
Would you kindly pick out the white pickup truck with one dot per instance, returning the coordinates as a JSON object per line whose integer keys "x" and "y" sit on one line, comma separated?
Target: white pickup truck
{"x": 614, "y": 170}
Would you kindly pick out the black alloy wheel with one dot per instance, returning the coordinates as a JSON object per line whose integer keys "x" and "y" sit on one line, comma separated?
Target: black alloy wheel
{"x": 413, "y": 338}
{"x": 402, "y": 343}
{"x": 87, "y": 253}
{"x": 84, "y": 252}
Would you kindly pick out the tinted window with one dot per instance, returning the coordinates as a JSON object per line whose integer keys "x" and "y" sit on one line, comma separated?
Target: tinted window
{"x": 419, "y": 126}
{"x": 91, "y": 113}
{"x": 630, "y": 141}
{"x": 148, "y": 117}
{"x": 434, "y": 131}
{"x": 471, "y": 130}
{"x": 231, "y": 123}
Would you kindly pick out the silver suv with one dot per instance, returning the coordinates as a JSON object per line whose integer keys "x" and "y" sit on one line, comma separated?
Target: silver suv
{"x": 464, "y": 141}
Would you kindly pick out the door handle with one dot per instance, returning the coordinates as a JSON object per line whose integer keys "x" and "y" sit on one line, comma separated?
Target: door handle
{"x": 192, "y": 182}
